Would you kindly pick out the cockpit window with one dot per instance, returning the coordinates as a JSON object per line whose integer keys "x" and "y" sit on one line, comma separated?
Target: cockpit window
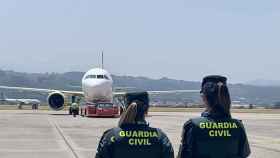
{"x": 91, "y": 76}
{"x": 100, "y": 76}
{"x": 106, "y": 77}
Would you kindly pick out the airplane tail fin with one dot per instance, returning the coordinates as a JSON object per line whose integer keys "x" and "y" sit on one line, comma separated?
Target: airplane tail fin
{"x": 102, "y": 60}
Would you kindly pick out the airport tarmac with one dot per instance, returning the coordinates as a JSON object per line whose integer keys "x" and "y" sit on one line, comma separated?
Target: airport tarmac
{"x": 48, "y": 134}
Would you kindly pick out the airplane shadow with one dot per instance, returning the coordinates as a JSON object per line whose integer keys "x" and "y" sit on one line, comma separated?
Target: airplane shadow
{"x": 59, "y": 114}
{"x": 104, "y": 117}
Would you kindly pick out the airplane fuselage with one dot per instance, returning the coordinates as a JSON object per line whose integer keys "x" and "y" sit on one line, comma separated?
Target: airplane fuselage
{"x": 97, "y": 85}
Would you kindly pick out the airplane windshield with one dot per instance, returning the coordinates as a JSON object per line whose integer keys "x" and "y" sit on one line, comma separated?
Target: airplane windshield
{"x": 97, "y": 76}
{"x": 100, "y": 76}
{"x": 106, "y": 77}
{"x": 91, "y": 76}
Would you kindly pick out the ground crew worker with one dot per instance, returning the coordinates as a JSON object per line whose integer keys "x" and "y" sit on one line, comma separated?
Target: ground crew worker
{"x": 75, "y": 108}
{"x": 134, "y": 138}
{"x": 215, "y": 134}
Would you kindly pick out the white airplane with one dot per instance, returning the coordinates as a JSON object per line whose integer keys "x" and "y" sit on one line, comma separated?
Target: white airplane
{"x": 97, "y": 84}
{"x": 3, "y": 98}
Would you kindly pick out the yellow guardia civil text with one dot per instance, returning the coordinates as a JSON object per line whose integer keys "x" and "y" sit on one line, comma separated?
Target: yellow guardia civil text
{"x": 138, "y": 138}
{"x": 218, "y": 129}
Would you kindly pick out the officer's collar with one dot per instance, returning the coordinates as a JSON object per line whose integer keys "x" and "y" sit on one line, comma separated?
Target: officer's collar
{"x": 214, "y": 115}
{"x": 138, "y": 123}
{"x": 143, "y": 122}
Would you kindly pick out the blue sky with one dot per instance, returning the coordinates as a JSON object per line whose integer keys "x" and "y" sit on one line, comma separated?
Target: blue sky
{"x": 179, "y": 39}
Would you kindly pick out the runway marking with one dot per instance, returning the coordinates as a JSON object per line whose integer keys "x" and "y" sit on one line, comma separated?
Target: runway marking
{"x": 64, "y": 138}
{"x": 266, "y": 148}
{"x": 27, "y": 140}
{"x": 263, "y": 141}
{"x": 31, "y": 150}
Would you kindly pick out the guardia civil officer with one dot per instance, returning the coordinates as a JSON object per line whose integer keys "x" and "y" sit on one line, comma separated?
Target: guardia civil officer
{"x": 215, "y": 134}
{"x": 134, "y": 138}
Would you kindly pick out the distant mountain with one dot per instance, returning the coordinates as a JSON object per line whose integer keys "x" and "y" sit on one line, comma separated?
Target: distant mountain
{"x": 144, "y": 83}
{"x": 262, "y": 82}
{"x": 240, "y": 93}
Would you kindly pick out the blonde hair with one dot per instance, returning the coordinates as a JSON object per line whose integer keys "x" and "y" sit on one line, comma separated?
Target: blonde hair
{"x": 129, "y": 115}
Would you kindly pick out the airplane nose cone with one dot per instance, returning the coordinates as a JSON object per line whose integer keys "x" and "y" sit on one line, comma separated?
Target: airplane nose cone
{"x": 96, "y": 84}
{"x": 97, "y": 89}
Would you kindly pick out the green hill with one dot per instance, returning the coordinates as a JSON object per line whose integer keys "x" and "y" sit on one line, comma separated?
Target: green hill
{"x": 259, "y": 95}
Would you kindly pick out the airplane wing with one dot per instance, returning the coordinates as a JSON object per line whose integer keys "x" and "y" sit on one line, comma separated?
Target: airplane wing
{"x": 172, "y": 92}
{"x": 119, "y": 94}
{"x": 76, "y": 93}
{"x": 81, "y": 94}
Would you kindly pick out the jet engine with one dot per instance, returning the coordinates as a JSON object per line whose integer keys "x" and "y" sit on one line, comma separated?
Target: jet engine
{"x": 56, "y": 101}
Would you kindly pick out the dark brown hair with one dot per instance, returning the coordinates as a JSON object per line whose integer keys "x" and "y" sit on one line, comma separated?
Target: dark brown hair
{"x": 218, "y": 97}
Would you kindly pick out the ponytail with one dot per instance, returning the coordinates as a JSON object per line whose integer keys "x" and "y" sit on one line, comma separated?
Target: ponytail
{"x": 218, "y": 97}
{"x": 129, "y": 115}
{"x": 224, "y": 101}
{"x": 134, "y": 113}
